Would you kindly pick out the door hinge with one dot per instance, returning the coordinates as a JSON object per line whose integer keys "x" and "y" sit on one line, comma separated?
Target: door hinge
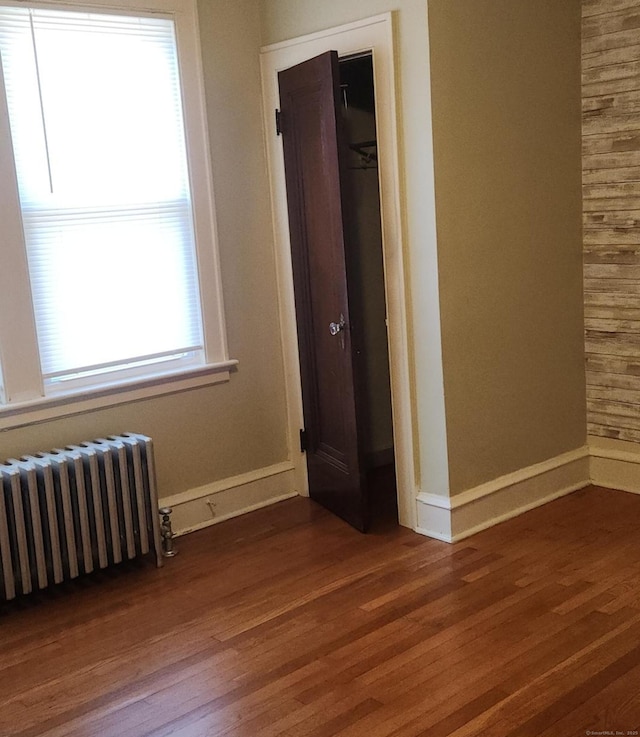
{"x": 278, "y": 123}
{"x": 304, "y": 445}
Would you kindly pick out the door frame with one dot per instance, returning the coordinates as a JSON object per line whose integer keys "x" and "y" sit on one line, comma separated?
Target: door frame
{"x": 373, "y": 34}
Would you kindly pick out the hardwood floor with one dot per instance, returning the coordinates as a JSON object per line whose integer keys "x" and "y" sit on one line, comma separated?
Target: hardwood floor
{"x": 287, "y": 622}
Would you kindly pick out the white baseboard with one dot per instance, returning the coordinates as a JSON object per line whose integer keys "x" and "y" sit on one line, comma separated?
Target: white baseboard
{"x": 457, "y": 517}
{"x": 207, "y": 505}
{"x": 615, "y": 464}
{"x": 607, "y": 463}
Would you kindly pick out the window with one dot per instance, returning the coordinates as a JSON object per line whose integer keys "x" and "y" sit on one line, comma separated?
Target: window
{"x": 108, "y": 270}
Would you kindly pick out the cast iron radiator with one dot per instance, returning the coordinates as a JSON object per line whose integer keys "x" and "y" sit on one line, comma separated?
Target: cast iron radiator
{"x": 71, "y": 511}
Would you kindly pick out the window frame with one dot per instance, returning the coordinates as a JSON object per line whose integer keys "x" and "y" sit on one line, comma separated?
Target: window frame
{"x": 24, "y": 395}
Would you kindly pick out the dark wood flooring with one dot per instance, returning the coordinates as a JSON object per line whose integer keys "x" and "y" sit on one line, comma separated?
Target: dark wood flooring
{"x": 287, "y": 622}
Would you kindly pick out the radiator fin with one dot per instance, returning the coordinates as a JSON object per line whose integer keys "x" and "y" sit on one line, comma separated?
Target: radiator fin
{"x": 73, "y": 510}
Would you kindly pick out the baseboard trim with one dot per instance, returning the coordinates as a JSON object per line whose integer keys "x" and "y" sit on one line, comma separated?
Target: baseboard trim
{"x": 208, "y": 505}
{"x": 449, "y": 519}
{"x": 455, "y": 518}
{"x": 614, "y": 468}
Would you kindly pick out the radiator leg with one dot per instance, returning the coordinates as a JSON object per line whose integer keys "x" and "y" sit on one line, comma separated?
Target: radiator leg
{"x": 168, "y": 550}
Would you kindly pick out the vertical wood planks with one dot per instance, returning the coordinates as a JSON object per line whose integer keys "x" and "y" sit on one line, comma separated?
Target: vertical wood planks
{"x": 611, "y": 214}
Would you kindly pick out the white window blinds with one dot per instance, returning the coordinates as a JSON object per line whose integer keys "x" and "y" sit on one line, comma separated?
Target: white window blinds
{"x": 97, "y": 128}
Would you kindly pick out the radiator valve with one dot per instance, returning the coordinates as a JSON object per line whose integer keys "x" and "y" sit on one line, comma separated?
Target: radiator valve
{"x": 168, "y": 551}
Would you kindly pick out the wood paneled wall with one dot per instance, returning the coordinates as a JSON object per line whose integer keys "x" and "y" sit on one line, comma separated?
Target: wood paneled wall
{"x": 611, "y": 197}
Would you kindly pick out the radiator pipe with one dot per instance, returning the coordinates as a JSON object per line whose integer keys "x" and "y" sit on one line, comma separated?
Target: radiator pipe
{"x": 168, "y": 550}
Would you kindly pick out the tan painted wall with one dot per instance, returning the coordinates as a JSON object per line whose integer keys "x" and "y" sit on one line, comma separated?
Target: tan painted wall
{"x": 208, "y": 434}
{"x": 506, "y": 119}
{"x": 505, "y": 78}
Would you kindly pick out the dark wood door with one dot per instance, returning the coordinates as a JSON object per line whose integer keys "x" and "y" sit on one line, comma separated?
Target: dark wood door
{"x": 314, "y": 155}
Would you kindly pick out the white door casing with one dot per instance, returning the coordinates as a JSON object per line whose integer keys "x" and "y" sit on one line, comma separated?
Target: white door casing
{"x": 375, "y": 35}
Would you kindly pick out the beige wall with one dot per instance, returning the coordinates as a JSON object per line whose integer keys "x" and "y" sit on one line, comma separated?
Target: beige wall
{"x": 204, "y": 435}
{"x": 506, "y": 119}
{"x": 505, "y": 77}
{"x": 505, "y": 81}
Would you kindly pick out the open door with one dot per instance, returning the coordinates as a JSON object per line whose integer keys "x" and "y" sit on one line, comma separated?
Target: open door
{"x": 314, "y": 158}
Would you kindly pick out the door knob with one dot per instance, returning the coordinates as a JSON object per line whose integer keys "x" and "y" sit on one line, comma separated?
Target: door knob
{"x": 337, "y": 327}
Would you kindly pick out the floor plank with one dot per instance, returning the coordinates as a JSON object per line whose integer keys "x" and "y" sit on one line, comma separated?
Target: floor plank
{"x": 288, "y": 623}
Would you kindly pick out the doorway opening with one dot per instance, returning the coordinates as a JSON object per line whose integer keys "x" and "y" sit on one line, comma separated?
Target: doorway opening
{"x": 375, "y": 34}
{"x": 366, "y": 287}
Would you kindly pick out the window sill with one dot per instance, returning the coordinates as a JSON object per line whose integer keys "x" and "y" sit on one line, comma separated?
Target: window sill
{"x": 80, "y": 401}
